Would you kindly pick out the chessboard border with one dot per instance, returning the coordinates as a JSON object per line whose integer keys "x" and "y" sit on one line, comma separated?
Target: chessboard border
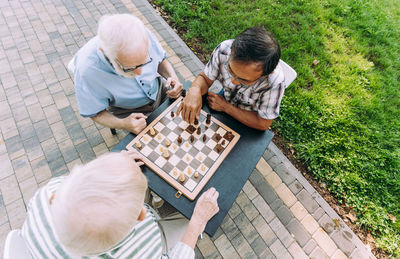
{"x": 181, "y": 189}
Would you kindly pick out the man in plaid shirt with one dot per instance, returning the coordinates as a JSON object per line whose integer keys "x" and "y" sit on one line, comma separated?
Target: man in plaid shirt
{"x": 252, "y": 80}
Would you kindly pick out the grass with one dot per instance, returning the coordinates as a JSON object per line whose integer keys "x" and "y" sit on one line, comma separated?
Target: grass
{"x": 342, "y": 117}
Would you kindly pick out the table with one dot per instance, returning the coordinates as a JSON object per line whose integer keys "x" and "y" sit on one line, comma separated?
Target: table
{"x": 230, "y": 176}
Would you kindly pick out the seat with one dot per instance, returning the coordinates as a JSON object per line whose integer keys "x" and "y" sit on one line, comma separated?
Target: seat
{"x": 290, "y": 73}
{"x": 15, "y": 247}
{"x": 71, "y": 68}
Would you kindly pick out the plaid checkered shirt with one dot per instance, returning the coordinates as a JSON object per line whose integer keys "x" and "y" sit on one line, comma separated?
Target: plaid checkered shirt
{"x": 263, "y": 96}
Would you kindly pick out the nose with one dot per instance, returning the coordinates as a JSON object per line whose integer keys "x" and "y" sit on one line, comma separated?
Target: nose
{"x": 138, "y": 71}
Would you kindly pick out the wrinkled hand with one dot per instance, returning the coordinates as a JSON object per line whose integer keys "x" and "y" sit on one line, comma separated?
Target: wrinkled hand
{"x": 136, "y": 156}
{"x": 175, "y": 86}
{"x": 135, "y": 122}
{"x": 216, "y": 102}
{"x": 206, "y": 207}
{"x": 190, "y": 106}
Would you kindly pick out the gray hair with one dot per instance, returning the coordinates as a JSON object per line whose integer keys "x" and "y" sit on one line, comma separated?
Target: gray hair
{"x": 98, "y": 204}
{"x": 121, "y": 33}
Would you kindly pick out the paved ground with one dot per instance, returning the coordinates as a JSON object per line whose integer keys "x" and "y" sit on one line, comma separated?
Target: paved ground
{"x": 278, "y": 213}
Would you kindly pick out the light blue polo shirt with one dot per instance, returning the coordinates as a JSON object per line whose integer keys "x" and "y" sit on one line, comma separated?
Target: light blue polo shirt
{"x": 98, "y": 86}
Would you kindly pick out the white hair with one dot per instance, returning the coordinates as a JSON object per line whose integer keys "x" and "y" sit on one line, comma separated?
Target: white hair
{"x": 120, "y": 33}
{"x": 98, "y": 204}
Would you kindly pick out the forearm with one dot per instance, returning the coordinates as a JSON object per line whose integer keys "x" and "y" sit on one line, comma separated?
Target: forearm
{"x": 106, "y": 119}
{"x": 201, "y": 83}
{"x": 192, "y": 233}
{"x": 166, "y": 70}
{"x": 248, "y": 118}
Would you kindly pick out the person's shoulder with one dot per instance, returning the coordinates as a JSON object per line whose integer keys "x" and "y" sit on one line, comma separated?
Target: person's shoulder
{"x": 87, "y": 57}
{"x": 224, "y": 47}
{"x": 276, "y": 77}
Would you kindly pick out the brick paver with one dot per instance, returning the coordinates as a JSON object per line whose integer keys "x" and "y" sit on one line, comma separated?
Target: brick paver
{"x": 278, "y": 213}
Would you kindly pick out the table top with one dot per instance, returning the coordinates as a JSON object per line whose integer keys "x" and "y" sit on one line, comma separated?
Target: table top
{"x": 230, "y": 176}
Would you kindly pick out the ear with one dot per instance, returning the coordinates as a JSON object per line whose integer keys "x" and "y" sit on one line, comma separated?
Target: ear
{"x": 142, "y": 214}
{"x": 101, "y": 50}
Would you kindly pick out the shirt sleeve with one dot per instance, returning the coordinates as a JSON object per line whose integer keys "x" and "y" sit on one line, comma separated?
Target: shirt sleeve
{"x": 211, "y": 70}
{"x": 181, "y": 251}
{"x": 90, "y": 93}
{"x": 156, "y": 47}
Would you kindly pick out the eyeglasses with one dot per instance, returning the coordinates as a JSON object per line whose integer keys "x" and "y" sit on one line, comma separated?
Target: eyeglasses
{"x": 242, "y": 82}
{"x": 130, "y": 69}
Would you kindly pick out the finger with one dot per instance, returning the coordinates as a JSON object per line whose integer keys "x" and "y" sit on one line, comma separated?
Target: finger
{"x": 179, "y": 109}
{"x": 168, "y": 83}
{"x": 139, "y": 116}
{"x": 212, "y": 94}
{"x": 124, "y": 152}
{"x": 139, "y": 163}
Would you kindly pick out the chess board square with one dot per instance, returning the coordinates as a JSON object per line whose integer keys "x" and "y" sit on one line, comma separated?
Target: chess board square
{"x": 180, "y": 153}
{"x": 159, "y": 138}
{"x": 185, "y": 135}
{"x": 208, "y": 162}
{"x": 213, "y": 155}
{"x": 202, "y": 169}
{"x": 209, "y": 133}
{"x": 186, "y": 146}
{"x": 211, "y": 143}
{"x": 181, "y": 165}
{"x": 189, "y": 171}
{"x": 159, "y": 149}
{"x": 174, "y": 173}
{"x": 183, "y": 124}
{"x": 168, "y": 167}
{"x": 172, "y": 136}
{"x": 199, "y": 145}
{"x": 146, "y": 139}
{"x": 200, "y": 156}
{"x": 173, "y": 148}
{"x": 174, "y": 160}
{"x": 146, "y": 151}
{"x": 214, "y": 127}
{"x": 160, "y": 161}
{"x": 205, "y": 150}
{"x": 221, "y": 131}
{"x": 159, "y": 126}
{"x": 190, "y": 184}
{"x": 171, "y": 125}
{"x": 187, "y": 158}
{"x": 165, "y": 131}
{"x": 225, "y": 142}
{"x": 195, "y": 163}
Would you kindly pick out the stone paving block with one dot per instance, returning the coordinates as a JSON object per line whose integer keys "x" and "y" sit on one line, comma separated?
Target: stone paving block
{"x": 249, "y": 190}
{"x": 242, "y": 247}
{"x": 279, "y": 250}
{"x": 318, "y": 213}
{"x": 93, "y": 136}
{"x": 310, "y": 224}
{"x": 14, "y": 147}
{"x": 61, "y": 100}
{"x": 217, "y": 234}
{"x": 360, "y": 253}
{"x": 76, "y": 133}
{"x": 50, "y": 149}
{"x": 273, "y": 179}
{"x": 324, "y": 241}
{"x": 296, "y": 251}
{"x": 43, "y": 130}
{"x": 35, "y": 112}
{"x": 100, "y": 149}
{"x": 276, "y": 204}
{"x": 284, "y": 174}
{"x": 110, "y": 139}
{"x": 284, "y": 215}
{"x": 299, "y": 232}
{"x": 286, "y": 195}
{"x": 229, "y": 227}
{"x": 264, "y": 189}
{"x": 33, "y": 148}
{"x": 225, "y": 248}
{"x": 338, "y": 255}
{"x": 298, "y": 210}
{"x": 45, "y": 98}
{"x": 234, "y": 210}
{"x": 327, "y": 223}
{"x": 73, "y": 163}
{"x": 22, "y": 168}
{"x": 263, "y": 167}
{"x": 318, "y": 253}
{"x": 26, "y": 129}
{"x": 307, "y": 200}
{"x": 85, "y": 152}
{"x": 3, "y": 215}
{"x": 28, "y": 188}
{"x": 310, "y": 246}
{"x": 41, "y": 169}
{"x": 9, "y": 189}
{"x": 274, "y": 161}
{"x": 8, "y": 128}
{"x": 343, "y": 241}
{"x": 263, "y": 208}
{"x": 58, "y": 167}
{"x": 59, "y": 131}
{"x": 19, "y": 112}
{"x": 295, "y": 187}
{"x": 281, "y": 232}
{"x": 261, "y": 249}
{"x": 4, "y": 229}
{"x": 247, "y": 229}
{"x": 247, "y": 206}
{"x": 264, "y": 230}
{"x": 16, "y": 213}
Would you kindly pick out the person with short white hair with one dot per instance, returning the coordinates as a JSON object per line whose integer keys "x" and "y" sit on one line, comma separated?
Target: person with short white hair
{"x": 98, "y": 211}
{"x": 122, "y": 74}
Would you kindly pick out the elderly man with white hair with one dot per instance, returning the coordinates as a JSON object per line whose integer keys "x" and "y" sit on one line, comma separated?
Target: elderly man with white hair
{"x": 98, "y": 211}
{"x": 117, "y": 74}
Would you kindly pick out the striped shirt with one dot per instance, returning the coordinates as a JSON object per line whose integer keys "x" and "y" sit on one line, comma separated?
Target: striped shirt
{"x": 144, "y": 241}
{"x": 263, "y": 96}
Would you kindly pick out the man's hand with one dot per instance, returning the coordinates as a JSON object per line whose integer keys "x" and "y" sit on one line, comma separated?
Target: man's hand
{"x": 217, "y": 102}
{"x": 134, "y": 155}
{"x": 191, "y": 105}
{"x": 175, "y": 87}
{"x": 206, "y": 207}
{"x": 135, "y": 122}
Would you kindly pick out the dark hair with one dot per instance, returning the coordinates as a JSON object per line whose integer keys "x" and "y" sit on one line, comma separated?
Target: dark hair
{"x": 255, "y": 44}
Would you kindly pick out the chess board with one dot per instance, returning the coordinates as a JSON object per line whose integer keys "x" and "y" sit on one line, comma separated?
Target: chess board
{"x": 190, "y": 165}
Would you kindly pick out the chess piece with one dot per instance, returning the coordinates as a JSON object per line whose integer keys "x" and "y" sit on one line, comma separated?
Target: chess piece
{"x": 179, "y": 139}
{"x": 172, "y": 114}
{"x": 198, "y": 131}
{"x": 138, "y": 145}
{"x": 183, "y": 93}
{"x": 182, "y": 177}
{"x": 203, "y": 167}
{"x": 175, "y": 172}
{"x": 159, "y": 137}
{"x": 167, "y": 142}
{"x": 200, "y": 157}
{"x": 208, "y": 120}
{"x": 223, "y": 142}
{"x": 228, "y": 136}
{"x": 152, "y": 131}
{"x": 196, "y": 121}
{"x": 175, "y": 147}
{"x": 219, "y": 148}
{"x": 191, "y": 129}
{"x": 204, "y": 138}
{"x": 145, "y": 138}
{"x": 191, "y": 138}
{"x": 196, "y": 175}
{"x": 189, "y": 171}
{"x": 157, "y": 202}
{"x": 187, "y": 145}
{"x": 218, "y": 137}
{"x": 166, "y": 153}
